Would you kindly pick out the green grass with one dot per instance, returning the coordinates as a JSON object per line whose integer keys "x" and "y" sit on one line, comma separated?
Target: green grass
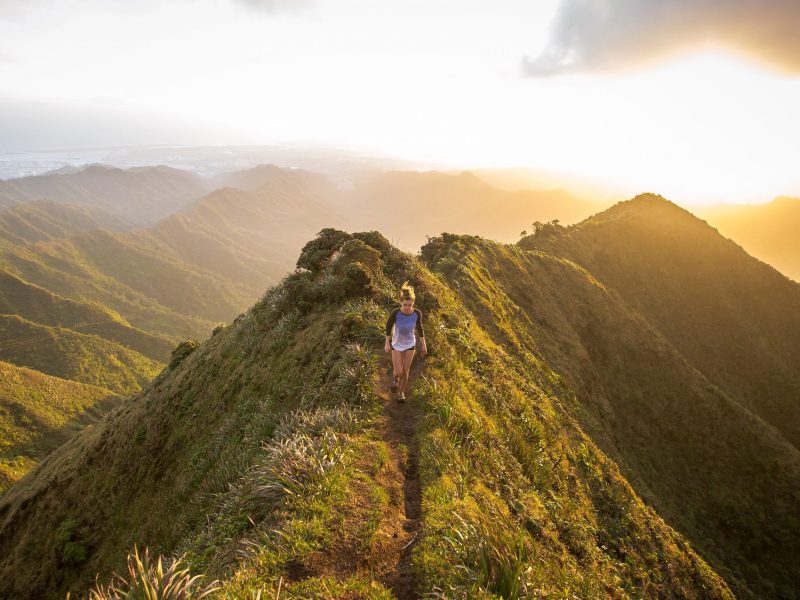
{"x": 245, "y": 457}
{"x": 38, "y": 413}
{"x": 70, "y": 355}
{"x": 692, "y": 454}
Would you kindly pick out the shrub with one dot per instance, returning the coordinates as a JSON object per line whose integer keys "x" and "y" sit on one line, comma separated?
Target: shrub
{"x": 181, "y": 351}
{"x": 317, "y": 253}
{"x": 71, "y": 550}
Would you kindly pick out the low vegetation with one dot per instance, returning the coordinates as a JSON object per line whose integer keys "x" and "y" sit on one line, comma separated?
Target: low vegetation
{"x": 254, "y": 459}
{"x": 38, "y": 413}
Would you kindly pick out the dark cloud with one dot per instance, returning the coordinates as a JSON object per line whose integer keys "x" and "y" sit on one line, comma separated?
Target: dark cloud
{"x": 608, "y": 35}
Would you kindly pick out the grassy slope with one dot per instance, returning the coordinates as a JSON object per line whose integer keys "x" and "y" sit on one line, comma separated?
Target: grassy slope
{"x": 214, "y": 459}
{"x": 62, "y": 268}
{"x": 714, "y": 471}
{"x": 141, "y": 195}
{"x": 38, "y": 413}
{"x": 44, "y": 220}
{"x": 36, "y": 304}
{"x": 71, "y": 355}
{"x": 191, "y": 269}
{"x": 171, "y": 282}
{"x": 732, "y": 316}
{"x": 10, "y": 195}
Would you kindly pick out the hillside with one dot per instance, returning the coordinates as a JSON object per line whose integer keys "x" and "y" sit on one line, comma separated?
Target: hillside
{"x": 36, "y": 304}
{"x": 44, "y": 220}
{"x": 71, "y": 355}
{"x": 269, "y": 456}
{"x": 714, "y": 471}
{"x": 191, "y": 269}
{"x": 733, "y": 317}
{"x": 154, "y": 292}
{"x": 141, "y": 195}
{"x": 11, "y": 195}
{"x": 38, "y": 413}
{"x": 302, "y": 181}
{"x": 767, "y": 231}
{"x": 252, "y": 235}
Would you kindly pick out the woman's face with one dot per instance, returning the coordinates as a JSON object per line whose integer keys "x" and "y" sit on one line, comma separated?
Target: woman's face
{"x": 407, "y": 305}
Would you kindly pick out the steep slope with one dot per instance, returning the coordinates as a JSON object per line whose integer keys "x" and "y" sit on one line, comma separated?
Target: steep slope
{"x": 38, "y": 413}
{"x": 724, "y": 478}
{"x": 33, "y": 303}
{"x": 767, "y": 231}
{"x": 141, "y": 195}
{"x": 264, "y": 456}
{"x": 252, "y": 236}
{"x": 408, "y": 206}
{"x": 191, "y": 269}
{"x": 153, "y": 292}
{"x": 71, "y": 355}
{"x": 733, "y": 317}
{"x": 43, "y": 220}
{"x": 10, "y": 195}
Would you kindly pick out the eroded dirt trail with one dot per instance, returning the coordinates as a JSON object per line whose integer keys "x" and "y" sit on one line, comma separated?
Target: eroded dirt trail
{"x": 397, "y": 532}
{"x": 387, "y": 556}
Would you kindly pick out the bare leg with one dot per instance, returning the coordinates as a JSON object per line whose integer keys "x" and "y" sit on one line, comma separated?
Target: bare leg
{"x": 397, "y": 366}
{"x": 407, "y": 357}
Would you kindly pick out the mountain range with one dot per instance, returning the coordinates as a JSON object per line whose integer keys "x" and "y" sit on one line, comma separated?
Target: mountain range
{"x": 608, "y": 410}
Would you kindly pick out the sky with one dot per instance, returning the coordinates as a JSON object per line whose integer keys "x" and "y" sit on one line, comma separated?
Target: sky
{"x": 695, "y": 100}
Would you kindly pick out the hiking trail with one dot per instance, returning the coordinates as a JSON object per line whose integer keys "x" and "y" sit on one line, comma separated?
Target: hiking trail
{"x": 388, "y": 557}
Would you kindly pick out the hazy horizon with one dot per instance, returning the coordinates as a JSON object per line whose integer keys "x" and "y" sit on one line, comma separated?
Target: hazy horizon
{"x": 688, "y": 101}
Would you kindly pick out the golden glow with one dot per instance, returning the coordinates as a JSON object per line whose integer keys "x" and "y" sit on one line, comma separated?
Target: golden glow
{"x": 705, "y": 126}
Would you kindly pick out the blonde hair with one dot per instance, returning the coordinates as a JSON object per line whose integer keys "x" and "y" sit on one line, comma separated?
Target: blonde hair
{"x": 407, "y": 292}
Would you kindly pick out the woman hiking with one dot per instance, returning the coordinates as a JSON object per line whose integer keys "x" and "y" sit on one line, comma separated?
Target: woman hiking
{"x": 403, "y": 322}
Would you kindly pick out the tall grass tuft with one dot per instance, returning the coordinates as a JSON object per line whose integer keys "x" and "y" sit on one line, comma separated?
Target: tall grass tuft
{"x": 148, "y": 580}
{"x": 494, "y": 559}
{"x": 295, "y": 466}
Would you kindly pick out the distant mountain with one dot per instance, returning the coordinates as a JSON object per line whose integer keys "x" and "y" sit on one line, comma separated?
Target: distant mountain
{"x": 287, "y": 180}
{"x": 767, "y": 231}
{"x": 523, "y": 178}
{"x": 38, "y": 413}
{"x": 71, "y": 355}
{"x": 251, "y": 235}
{"x": 36, "y": 304}
{"x": 733, "y": 317}
{"x": 141, "y": 195}
{"x": 407, "y": 206}
{"x": 45, "y": 220}
{"x": 11, "y": 195}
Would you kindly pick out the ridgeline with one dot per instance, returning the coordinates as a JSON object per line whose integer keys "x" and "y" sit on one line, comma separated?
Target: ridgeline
{"x": 560, "y": 441}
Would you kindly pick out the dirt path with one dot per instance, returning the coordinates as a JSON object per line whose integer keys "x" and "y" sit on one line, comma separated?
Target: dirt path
{"x": 388, "y": 557}
{"x": 398, "y": 529}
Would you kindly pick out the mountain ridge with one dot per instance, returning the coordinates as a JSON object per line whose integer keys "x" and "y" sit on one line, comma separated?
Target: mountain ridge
{"x": 514, "y": 470}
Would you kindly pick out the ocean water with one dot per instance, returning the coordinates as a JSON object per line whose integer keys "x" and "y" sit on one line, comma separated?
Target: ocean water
{"x": 337, "y": 163}
{"x": 24, "y": 164}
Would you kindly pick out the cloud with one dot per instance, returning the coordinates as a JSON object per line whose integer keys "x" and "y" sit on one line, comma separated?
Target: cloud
{"x": 14, "y": 9}
{"x": 277, "y": 6}
{"x": 610, "y": 35}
